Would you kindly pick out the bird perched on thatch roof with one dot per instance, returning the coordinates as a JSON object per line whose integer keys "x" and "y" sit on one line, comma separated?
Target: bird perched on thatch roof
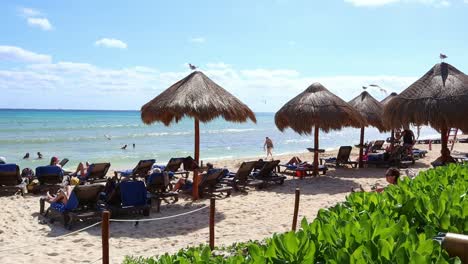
{"x": 442, "y": 56}
{"x": 192, "y": 67}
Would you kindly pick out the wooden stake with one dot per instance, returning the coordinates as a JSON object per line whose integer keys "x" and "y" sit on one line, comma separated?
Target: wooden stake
{"x": 296, "y": 209}
{"x": 212, "y": 223}
{"x": 105, "y": 237}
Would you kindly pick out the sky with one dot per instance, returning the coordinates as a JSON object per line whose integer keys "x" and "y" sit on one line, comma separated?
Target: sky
{"x": 120, "y": 54}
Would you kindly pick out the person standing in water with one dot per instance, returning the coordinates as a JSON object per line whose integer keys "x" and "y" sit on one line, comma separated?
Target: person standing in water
{"x": 268, "y": 147}
{"x": 39, "y": 155}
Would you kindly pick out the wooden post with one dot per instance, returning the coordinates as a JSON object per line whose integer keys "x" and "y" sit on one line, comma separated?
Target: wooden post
{"x": 392, "y": 139}
{"x": 212, "y": 223}
{"x": 443, "y": 147}
{"x": 296, "y": 209}
{"x": 361, "y": 146}
{"x": 197, "y": 158}
{"x": 316, "y": 149}
{"x": 105, "y": 237}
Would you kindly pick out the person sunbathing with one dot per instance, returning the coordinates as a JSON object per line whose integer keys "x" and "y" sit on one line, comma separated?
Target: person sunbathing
{"x": 54, "y": 161}
{"x": 81, "y": 170}
{"x": 186, "y": 184}
{"x": 391, "y": 175}
{"x": 59, "y": 200}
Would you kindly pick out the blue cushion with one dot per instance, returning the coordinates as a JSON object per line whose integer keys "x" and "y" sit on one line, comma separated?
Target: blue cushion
{"x": 8, "y": 168}
{"x": 153, "y": 176}
{"x": 48, "y": 170}
{"x": 133, "y": 193}
{"x": 71, "y": 204}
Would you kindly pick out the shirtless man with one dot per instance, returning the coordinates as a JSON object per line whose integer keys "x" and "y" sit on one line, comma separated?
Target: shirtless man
{"x": 268, "y": 146}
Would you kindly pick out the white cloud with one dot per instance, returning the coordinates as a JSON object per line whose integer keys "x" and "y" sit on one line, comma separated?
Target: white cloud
{"x": 84, "y": 85}
{"x": 30, "y": 12}
{"x": 197, "y": 40}
{"x": 111, "y": 43}
{"x": 35, "y": 18}
{"x": 435, "y": 3}
{"x": 16, "y": 54}
{"x": 42, "y": 23}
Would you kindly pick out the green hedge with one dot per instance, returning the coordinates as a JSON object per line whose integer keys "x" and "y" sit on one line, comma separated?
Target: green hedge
{"x": 396, "y": 226}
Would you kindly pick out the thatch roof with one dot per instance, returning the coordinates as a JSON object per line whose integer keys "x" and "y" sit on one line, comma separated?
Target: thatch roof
{"x": 370, "y": 109}
{"x": 196, "y": 96}
{"x": 439, "y": 99}
{"x": 388, "y": 98}
{"x": 317, "y": 106}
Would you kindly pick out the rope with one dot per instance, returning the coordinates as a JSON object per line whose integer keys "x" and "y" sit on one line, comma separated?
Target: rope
{"x": 57, "y": 237}
{"x": 159, "y": 218}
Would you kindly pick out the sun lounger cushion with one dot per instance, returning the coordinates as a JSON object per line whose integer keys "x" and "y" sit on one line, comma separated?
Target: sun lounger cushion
{"x": 133, "y": 193}
{"x": 71, "y": 204}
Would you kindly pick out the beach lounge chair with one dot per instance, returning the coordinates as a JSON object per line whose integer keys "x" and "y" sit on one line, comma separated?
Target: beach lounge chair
{"x": 211, "y": 184}
{"x": 267, "y": 173}
{"x": 342, "y": 158}
{"x": 241, "y": 179}
{"x": 129, "y": 197}
{"x": 50, "y": 179}
{"x": 378, "y": 145}
{"x": 96, "y": 172}
{"x": 83, "y": 204}
{"x": 141, "y": 170}
{"x": 173, "y": 166}
{"x": 160, "y": 189}
{"x": 10, "y": 180}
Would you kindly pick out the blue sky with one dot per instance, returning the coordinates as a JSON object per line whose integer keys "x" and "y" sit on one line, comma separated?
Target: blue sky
{"x": 120, "y": 54}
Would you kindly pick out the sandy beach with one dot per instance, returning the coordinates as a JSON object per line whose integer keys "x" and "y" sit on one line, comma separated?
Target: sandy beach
{"x": 25, "y": 237}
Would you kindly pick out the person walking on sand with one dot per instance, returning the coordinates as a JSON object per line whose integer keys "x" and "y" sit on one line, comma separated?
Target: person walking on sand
{"x": 268, "y": 147}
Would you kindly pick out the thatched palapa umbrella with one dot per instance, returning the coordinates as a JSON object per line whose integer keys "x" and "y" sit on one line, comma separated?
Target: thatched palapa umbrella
{"x": 317, "y": 108}
{"x": 439, "y": 99}
{"x": 195, "y": 96}
{"x": 371, "y": 110}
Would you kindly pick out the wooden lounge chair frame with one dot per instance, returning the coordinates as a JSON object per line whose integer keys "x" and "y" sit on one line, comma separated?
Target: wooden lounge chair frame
{"x": 241, "y": 179}
{"x": 11, "y": 182}
{"x": 161, "y": 190}
{"x": 211, "y": 184}
{"x": 141, "y": 170}
{"x": 89, "y": 206}
{"x": 98, "y": 172}
{"x": 268, "y": 174}
{"x": 342, "y": 158}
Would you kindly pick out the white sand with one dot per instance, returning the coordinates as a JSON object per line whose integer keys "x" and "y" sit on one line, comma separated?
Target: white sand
{"x": 259, "y": 214}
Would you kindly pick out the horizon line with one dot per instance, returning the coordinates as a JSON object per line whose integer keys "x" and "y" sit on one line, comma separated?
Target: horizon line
{"x": 69, "y": 109}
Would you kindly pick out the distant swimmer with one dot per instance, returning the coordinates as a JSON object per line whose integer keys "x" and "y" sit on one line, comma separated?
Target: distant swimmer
{"x": 133, "y": 145}
{"x": 108, "y": 137}
{"x": 124, "y": 146}
{"x": 39, "y": 155}
{"x": 26, "y": 156}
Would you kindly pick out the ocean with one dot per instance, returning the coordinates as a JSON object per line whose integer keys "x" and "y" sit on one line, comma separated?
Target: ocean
{"x": 97, "y": 136}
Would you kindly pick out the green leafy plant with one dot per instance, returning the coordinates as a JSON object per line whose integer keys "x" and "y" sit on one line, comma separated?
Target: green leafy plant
{"x": 396, "y": 226}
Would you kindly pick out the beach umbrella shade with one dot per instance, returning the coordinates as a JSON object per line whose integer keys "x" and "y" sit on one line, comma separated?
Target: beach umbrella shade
{"x": 317, "y": 108}
{"x": 371, "y": 111}
{"x": 438, "y": 99}
{"x": 384, "y": 102}
{"x": 198, "y": 97}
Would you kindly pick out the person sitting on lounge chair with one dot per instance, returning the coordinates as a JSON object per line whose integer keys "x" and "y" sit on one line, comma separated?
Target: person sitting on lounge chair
{"x": 186, "y": 185}
{"x": 392, "y": 176}
{"x": 54, "y": 161}
{"x": 81, "y": 170}
{"x": 59, "y": 200}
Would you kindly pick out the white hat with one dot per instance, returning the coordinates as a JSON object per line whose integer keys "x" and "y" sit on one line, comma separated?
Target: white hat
{"x": 2, "y": 160}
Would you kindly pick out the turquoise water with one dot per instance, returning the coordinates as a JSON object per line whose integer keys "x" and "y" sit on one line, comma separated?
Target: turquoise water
{"x": 83, "y": 136}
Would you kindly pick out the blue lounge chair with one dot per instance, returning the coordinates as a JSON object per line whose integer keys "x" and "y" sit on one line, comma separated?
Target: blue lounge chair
{"x": 129, "y": 197}
{"x": 50, "y": 179}
{"x": 160, "y": 189}
{"x": 10, "y": 180}
{"x": 141, "y": 170}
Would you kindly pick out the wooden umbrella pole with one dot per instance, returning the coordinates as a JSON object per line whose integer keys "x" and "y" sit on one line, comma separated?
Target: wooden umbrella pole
{"x": 443, "y": 147}
{"x": 361, "y": 147}
{"x": 392, "y": 139}
{"x": 197, "y": 158}
{"x": 316, "y": 149}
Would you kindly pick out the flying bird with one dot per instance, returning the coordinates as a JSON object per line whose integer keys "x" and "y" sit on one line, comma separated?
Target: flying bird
{"x": 442, "y": 56}
{"x": 192, "y": 67}
{"x": 380, "y": 88}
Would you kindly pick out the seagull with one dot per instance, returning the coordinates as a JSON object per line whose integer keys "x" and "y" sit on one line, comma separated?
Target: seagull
{"x": 442, "y": 56}
{"x": 364, "y": 87}
{"x": 192, "y": 67}
{"x": 380, "y": 88}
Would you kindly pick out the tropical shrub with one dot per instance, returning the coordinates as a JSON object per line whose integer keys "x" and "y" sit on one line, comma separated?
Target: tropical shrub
{"x": 396, "y": 226}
